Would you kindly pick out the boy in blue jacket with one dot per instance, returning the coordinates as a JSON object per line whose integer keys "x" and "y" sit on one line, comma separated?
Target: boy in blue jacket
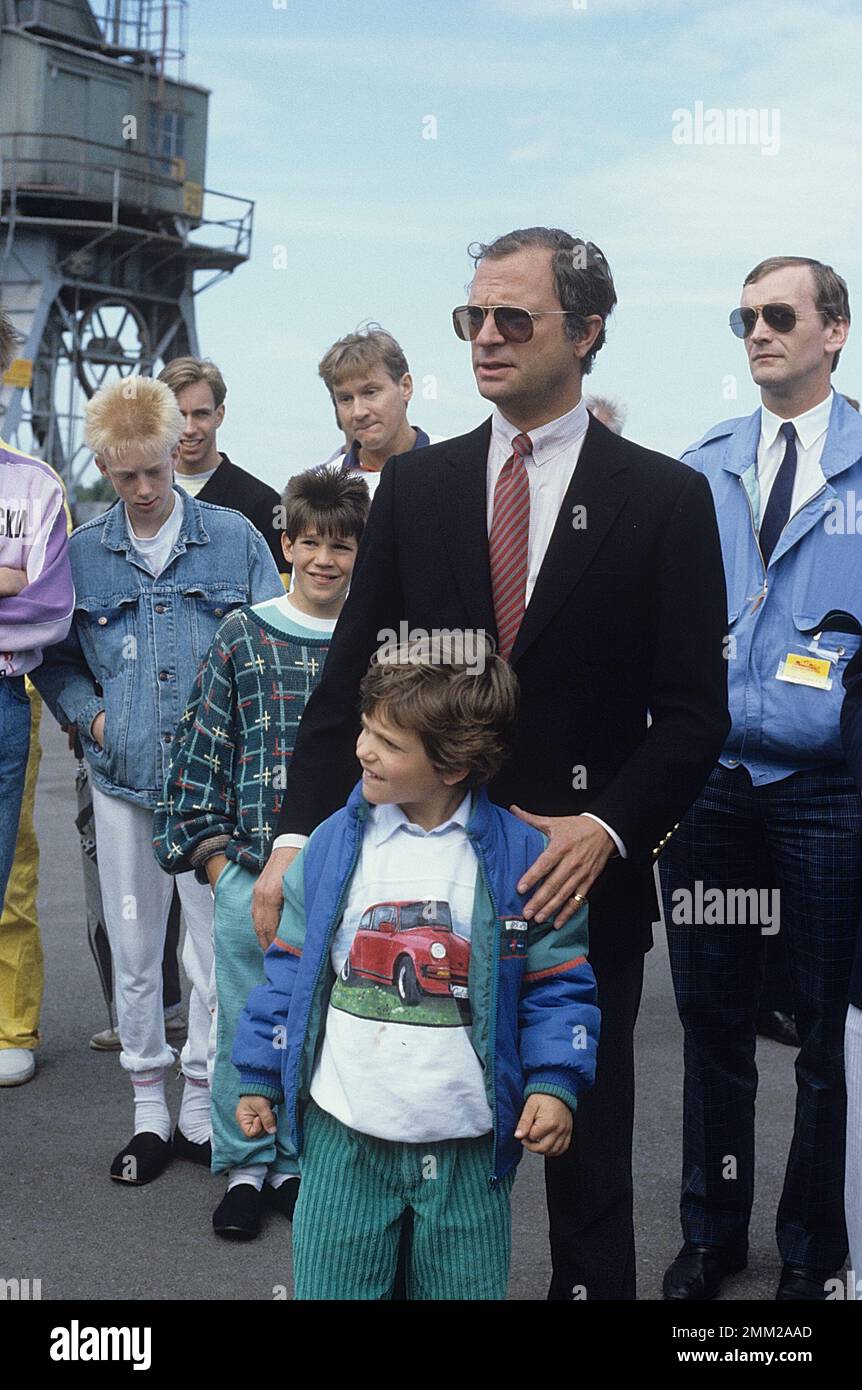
{"x": 418, "y": 1029}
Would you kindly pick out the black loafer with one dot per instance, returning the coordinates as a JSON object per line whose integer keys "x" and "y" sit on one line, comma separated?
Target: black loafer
{"x": 802, "y": 1282}
{"x": 237, "y": 1216}
{"x": 778, "y": 1026}
{"x": 195, "y": 1153}
{"x": 698, "y": 1270}
{"x": 144, "y": 1158}
{"x": 282, "y": 1198}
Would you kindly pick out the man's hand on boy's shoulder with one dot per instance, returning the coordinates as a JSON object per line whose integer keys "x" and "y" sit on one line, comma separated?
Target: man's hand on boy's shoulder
{"x": 254, "y": 1116}
{"x": 268, "y": 895}
{"x": 577, "y": 852}
{"x": 545, "y": 1126}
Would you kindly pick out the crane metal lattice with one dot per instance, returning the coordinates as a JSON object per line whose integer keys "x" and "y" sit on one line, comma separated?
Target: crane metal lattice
{"x": 107, "y": 231}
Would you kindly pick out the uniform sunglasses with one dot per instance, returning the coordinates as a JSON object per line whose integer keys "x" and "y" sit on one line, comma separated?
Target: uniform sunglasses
{"x": 782, "y": 317}
{"x": 513, "y": 324}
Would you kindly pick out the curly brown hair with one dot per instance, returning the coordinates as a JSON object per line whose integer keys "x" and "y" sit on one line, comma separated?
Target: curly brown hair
{"x": 465, "y": 713}
{"x": 582, "y": 276}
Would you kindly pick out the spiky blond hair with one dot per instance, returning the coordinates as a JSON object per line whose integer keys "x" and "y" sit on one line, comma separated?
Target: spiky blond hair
{"x": 134, "y": 412}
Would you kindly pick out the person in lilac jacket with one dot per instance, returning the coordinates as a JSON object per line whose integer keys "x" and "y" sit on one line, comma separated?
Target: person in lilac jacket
{"x": 36, "y": 605}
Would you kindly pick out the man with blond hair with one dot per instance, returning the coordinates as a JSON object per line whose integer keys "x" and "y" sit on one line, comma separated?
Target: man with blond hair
{"x": 36, "y": 602}
{"x": 202, "y": 470}
{"x": 154, "y": 576}
{"x": 367, "y": 376}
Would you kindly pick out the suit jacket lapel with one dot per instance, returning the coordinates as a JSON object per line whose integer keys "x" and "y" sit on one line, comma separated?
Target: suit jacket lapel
{"x": 462, "y": 484}
{"x": 215, "y": 488}
{"x": 597, "y": 488}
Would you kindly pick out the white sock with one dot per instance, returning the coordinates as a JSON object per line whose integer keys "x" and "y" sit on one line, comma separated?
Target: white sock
{"x": 276, "y": 1179}
{"x": 252, "y": 1173}
{"x": 151, "y": 1108}
{"x": 194, "y": 1120}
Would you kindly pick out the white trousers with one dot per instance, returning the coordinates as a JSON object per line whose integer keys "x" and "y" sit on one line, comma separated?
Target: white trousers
{"x": 853, "y": 1165}
{"x": 136, "y": 897}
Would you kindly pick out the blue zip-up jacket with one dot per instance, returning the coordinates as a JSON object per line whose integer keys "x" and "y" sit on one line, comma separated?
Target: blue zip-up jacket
{"x": 136, "y": 641}
{"x": 535, "y": 1020}
{"x": 808, "y": 600}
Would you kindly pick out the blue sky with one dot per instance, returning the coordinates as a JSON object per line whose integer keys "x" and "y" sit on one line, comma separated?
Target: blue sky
{"x": 546, "y": 111}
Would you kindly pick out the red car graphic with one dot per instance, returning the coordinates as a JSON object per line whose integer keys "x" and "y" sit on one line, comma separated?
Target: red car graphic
{"x": 412, "y": 946}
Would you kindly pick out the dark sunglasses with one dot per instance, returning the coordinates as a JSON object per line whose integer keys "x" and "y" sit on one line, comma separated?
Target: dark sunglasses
{"x": 513, "y": 324}
{"x": 782, "y": 317}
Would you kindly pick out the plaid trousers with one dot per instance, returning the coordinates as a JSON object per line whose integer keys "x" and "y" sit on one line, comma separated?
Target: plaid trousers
{"x": 802, "y": 836}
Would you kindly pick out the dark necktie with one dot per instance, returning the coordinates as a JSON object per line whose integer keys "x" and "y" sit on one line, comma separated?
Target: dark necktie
{"x": 778, "y": 507}
{"x": 508, "y": 542}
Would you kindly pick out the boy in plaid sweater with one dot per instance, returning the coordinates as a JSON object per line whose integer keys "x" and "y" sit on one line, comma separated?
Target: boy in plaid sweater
{"x": 225, "y": 785}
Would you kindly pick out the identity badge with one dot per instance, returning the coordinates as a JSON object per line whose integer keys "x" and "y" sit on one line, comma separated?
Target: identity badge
{"x": 805, "y": 670}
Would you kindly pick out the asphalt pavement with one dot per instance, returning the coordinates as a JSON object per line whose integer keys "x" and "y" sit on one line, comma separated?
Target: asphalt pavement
{"x": 64, "y": 1222}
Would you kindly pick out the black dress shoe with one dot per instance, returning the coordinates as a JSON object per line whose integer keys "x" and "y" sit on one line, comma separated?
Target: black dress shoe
{"x": 237, "y": 1216}
{"x": 698, "y": 1270}
{"x": 803, "y": 1282}
{"x": 195, "y": 1153}
{"x": 282, "y": 1198}
{"x": 780, "y": 1027}
{"x": 145, "y": 1157}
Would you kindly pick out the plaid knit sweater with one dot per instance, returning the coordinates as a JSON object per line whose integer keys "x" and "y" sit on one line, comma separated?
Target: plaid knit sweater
{"x": 228, "y": 770}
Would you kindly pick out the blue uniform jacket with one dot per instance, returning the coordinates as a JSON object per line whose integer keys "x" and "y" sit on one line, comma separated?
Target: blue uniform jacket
{"x": 807, "y": 602}
{"x": 535, "y": 1020}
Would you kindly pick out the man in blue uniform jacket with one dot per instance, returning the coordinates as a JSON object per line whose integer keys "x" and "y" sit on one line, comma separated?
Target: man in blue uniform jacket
{"x": 773, "y": 843}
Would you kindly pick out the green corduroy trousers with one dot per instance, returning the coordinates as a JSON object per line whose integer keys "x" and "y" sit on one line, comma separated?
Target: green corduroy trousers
{"x": 354, "y": 1191}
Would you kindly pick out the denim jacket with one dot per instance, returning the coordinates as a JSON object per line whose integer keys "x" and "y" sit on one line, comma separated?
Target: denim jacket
{"x": 807, "y": 603}
{"x": 137, "y": 641}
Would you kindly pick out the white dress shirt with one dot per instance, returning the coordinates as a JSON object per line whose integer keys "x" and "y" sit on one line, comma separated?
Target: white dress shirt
{"x": 556, "y": 450}
{"x": 810, "y": 438}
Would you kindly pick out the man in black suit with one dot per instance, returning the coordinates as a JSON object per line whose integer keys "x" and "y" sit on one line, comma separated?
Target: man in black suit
{"x": 620, "y": 614}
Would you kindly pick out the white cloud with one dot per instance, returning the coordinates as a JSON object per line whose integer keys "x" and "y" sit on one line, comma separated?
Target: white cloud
{"x": 536, "y": 150}
{"x": 532, "y": 10}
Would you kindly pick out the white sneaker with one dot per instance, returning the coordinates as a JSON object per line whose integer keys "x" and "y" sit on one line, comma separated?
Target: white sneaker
{"x": 17, "y": 1065}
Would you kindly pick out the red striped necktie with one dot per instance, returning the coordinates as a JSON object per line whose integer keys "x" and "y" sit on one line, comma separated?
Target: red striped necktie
{"x": 508, "y": 542}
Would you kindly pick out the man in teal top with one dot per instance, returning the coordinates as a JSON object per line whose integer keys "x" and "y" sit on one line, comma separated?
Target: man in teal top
{"x": 224, "y": 789}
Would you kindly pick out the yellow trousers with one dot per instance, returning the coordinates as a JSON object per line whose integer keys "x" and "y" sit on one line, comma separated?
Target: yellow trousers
{"x": 21, "y": 969}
